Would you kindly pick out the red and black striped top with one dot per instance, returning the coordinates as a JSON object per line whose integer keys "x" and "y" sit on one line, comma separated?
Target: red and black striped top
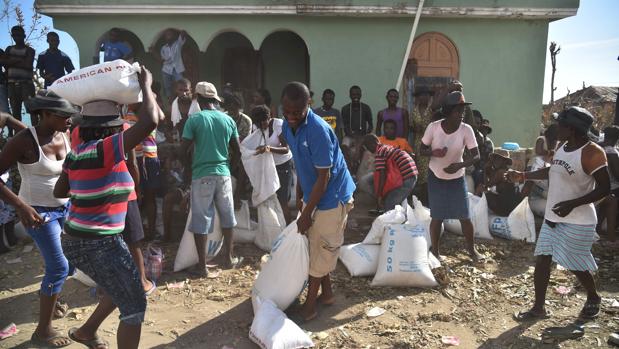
{"x": 402, "y": 159}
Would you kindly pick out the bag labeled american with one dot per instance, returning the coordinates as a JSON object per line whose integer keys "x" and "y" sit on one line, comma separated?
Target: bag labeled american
{"x": 113, "y": 81}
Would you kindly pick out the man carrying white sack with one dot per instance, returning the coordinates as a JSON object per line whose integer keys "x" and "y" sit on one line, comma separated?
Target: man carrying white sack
{"x": 324, "y": 191}
{"x": 213, "y": 133}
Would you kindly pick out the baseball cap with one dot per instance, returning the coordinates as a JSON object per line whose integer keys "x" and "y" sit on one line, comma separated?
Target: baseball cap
{"x": 576, "y": 117}
{"x": 207, "y": 90}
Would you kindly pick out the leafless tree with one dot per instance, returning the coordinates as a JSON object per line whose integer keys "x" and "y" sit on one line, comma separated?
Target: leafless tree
{"x": 33, "y": 26}
{"x": 554, "y": 51}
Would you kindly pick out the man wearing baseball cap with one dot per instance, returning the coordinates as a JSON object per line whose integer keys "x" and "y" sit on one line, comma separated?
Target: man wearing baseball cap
{"x": 212, "y": 133}
{"x": 578, "y": 177}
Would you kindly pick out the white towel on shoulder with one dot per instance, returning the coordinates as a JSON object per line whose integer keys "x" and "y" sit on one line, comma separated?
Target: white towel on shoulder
{"x": 175, "y": 113}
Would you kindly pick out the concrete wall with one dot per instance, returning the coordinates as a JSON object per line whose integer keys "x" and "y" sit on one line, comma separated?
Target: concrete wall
{"x": 502, "y": 60}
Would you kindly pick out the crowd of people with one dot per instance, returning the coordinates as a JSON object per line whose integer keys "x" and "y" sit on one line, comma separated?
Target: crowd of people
{"x": 87, "y": 177}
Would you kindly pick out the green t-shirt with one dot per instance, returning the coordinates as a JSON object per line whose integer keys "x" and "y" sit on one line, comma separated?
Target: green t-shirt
{"x": 211, "y": 131}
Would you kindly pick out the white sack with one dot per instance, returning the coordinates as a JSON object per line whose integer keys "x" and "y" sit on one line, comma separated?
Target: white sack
{"x": 271, "y": 329}
{"x": 114, "y": 81}
{"x": 538, "y": 205}
{"x": 404, "y": 258}
{"x": 271, "y": 222}
{"x": 243, "y": 220}
{"x": 284, "y": 275}
{"x": 360, "y": 259}
{"x": 187, "y": 254}
{"x": 519, "y": 225}
{"x": 259, "y": 168}
{"x": 83, "y": 278}
{"x": 478, "y": 210}
{"x": 395, "y": 216}
{"x": 246, "y": 235}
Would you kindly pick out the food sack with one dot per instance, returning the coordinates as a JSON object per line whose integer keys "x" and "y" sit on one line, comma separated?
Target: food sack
{"x": 246, "y": 235}
{"x": 360, "y": 259}
{"x": 537, "y": 205}
{"x": 395, "y": 216}
{"x": 113, "y": 81}
{"x": 404, "y": 258}
{"x": 260, "y": 168}
{"x": 242, "y": 216}
{"x": 519, "y": 225}
{"x": 187, "y": 254}
{"x": 271, "y": 329}
{"x": 478, "y": 210}
{"x": 284, "y": 275}
{"x": 271, "y": 222}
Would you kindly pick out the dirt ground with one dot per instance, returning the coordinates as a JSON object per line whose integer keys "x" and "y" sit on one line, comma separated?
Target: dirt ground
{"x": 476, "y": 306}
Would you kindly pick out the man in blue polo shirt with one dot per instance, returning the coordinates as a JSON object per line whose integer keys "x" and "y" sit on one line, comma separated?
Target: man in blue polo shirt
{"x": 53, "y": 63}
{"x": 324, "y": 191}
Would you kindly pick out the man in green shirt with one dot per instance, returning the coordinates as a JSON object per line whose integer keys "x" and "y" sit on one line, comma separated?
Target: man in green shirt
{"x": 212, "y": 133}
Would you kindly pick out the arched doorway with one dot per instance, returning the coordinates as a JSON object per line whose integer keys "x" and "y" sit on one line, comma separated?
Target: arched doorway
{"x": 230, "y": 58}
{"x": 285, "y": 58}
{"x": 190, "y": 54}
{"x": 433, "y": 62}
{"x": 125, "y": 36}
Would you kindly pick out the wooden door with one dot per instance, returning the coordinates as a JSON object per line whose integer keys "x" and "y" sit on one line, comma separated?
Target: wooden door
{"x": 436, "y": 56}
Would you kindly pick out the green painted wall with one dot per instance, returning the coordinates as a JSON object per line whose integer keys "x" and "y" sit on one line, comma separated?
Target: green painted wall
{"x": 502, "y": 60}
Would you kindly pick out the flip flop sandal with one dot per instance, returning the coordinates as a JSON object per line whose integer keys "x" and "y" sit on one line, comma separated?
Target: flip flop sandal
{"x": 93, "y": 343}
{"x": 528, "y": 315}
{"x": 563, "y": 333}
{"x": 152, "y": 289}
{"x": 49, "y": 342}
{"x": 590, "y": 311}
{"x": 60, "y": 310}
{"x": 613, "y": 339}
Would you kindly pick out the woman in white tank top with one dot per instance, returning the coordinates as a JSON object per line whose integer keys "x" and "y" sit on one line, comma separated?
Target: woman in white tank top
{"x": 578, "y": 177}
{"x": 39, "y": 153}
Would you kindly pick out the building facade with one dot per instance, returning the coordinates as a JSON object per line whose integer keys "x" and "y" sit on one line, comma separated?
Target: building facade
{"x": 496, "y": 48}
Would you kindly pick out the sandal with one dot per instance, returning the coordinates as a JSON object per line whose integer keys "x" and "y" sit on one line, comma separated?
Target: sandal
{"x": 529, "y": 315}
{"x": 94, "y": 343}
{"x": 571, "y": 331}
{"x": 152, "y": 288}
{"x": 50, "y": 342}
{"x": 60, "y": 309}
{"x": 591, "y": 310}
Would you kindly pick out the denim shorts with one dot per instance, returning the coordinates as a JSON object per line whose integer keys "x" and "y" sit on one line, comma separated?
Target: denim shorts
{"x": 150, "y": 173}
{"x": 107, "y": 262}
{"x": 207, "y": 194}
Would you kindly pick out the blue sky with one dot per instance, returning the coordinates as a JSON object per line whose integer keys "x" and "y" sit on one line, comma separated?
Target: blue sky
{"x": 589, "y": 46}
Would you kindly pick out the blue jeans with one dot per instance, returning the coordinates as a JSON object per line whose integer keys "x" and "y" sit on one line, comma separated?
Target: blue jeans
{"x": 47, "y": 239}
{"x": 208, "y": 193}
{"x": 394, "y": 197}
{"x": 107, "y": 262}
{"x": 169, "y": 81}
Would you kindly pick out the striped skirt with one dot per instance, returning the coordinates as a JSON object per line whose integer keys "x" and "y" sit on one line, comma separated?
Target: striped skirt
{"x": 568, "y": 244}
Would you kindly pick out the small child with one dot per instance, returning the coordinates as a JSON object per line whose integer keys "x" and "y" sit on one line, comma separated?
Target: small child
{"x": 390, "y": 138}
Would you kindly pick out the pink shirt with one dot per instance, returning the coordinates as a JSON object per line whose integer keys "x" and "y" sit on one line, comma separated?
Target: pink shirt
{"x": 436, "y": 138}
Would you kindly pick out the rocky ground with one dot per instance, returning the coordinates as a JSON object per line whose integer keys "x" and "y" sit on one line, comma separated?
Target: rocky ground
{"x": 475, "y": 304}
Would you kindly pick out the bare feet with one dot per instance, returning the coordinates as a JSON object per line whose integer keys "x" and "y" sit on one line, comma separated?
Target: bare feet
{"x": 147, "y": 285}
{"x": 326, "y": 299}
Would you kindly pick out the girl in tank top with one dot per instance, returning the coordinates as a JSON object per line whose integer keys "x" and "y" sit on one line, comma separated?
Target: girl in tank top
{"x": 39, "y": 153}
{"x": 395, "y": 113}
{"x": 578, "y": 177}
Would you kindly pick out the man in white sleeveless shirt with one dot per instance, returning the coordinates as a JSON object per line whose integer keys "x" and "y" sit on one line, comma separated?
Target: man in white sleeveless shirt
{"x": 578, "y": 177}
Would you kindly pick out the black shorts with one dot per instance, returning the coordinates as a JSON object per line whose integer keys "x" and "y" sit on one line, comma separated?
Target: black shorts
{"x": 134, "y": 231}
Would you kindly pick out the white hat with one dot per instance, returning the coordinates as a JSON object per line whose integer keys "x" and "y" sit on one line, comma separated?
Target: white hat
{"x": 207, "y": 90}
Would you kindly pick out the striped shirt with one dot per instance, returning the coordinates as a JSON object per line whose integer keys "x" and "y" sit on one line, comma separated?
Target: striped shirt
{"x": 99, "y": 188}
{"x": 148, "y": 147}
{"x": 402, "y": 159}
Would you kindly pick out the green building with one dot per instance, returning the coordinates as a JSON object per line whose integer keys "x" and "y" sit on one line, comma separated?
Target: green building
{"x": 496, "y": 48}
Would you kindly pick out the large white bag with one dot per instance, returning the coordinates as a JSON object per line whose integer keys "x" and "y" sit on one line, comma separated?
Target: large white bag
{"x": 360, "y": 259}
{"x": 114, "y": 81}
{"x": 519, "y": 225}
{"x": 187, "y": 254}
{"x": 271, "y": 222}
{"x": 395, "y": 216}
{"x": 259, "y": 168}
{"x": 538, "y": 205}
{"x": 284, "y": 275}
{"x": 271, "y": 329}
{"x": 478, "y": 210}
{"x": 242, "y": 217}
{"x": 246, "y": 235}
{"x": 404, "y": 258}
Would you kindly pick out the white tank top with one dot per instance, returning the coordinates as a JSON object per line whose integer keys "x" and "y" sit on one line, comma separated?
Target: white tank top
{"x": 567, "y": 181}
{"x": 38, "y": 179}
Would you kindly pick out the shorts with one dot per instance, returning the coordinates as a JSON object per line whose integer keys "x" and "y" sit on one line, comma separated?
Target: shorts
{"x": 107, "y": 262}
{"x": 284, "y": 173}
{"x": 134, "y": 231}
{"x": 150, "y": 172}
{"x": 325, "y": 237}
{"x": 207, "y": 194}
